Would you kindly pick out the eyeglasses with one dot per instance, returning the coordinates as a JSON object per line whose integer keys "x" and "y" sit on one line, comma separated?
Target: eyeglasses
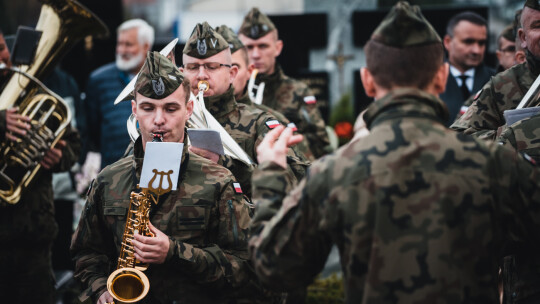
{"x": 208, "y": 66}
{"x": 508, "y": 49}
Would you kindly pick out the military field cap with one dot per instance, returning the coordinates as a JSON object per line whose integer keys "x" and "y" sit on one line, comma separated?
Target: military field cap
{"x": 534, "y": 4}
{"x": 508, "y": 33}
{"x": 234, "y": 43}
{"x": 256, "y": 24}
{"x": 159, "y": 77}
{"x": 405, "y": 26}
{"x": 204, "y": 42}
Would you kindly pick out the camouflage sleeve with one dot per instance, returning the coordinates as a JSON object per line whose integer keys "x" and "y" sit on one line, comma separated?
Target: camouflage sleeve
{"x": 516, "y": 189}
{"x": 91, "y": 249}
{"x": 241, "y": 171}
{"x": 483, "y": 117}
{"x": 508, "y": 139}
{"x": 311, "y": 124}
{"x": 286, "y": 246}
{"x": 70, "y": 153}
{"x": 296, "y": 162}
{"x": 223, "y": 264}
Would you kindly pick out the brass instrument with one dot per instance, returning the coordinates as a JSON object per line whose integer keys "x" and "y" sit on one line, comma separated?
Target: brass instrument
{"x": 128, "y": 283}
{"x": 63, "y": 23}
{"x": 255, "y": 92}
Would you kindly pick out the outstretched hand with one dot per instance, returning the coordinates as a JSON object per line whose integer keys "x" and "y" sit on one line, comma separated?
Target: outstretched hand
{"x": 275, "y": 144}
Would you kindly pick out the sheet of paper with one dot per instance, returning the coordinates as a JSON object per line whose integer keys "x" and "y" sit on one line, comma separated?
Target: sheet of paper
{"x": 164, "y": 157}
{"x": 515, "y": 115}
{"x": 206, "y": 139}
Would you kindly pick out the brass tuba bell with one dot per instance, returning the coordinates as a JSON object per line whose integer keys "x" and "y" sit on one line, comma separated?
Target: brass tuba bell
{"x": 62, "y": 23}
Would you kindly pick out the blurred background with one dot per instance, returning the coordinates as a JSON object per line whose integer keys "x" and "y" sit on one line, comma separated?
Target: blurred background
{"x": 323, "y": 39}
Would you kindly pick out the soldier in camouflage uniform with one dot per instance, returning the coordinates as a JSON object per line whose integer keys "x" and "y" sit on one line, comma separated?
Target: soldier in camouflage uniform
{"x": 240, "y": 59}
{"x": 420, "y": 213}
{"x": 505, "y": 90}
{"x": 207, "y": 57}
{"x": 287, "y": 95}
{"x": 28, "y": 228}
{"x": 200, "y": 228}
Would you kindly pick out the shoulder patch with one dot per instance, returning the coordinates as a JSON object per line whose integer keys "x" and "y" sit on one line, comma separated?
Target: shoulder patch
{"x": 237, "y": 188}
{"x": 272, "y": 124}
{"x": 477, "y": 94}
{"x": 310, "y": 99}
{"x": 463, "y": 109}
{"x": 292, "y": 126}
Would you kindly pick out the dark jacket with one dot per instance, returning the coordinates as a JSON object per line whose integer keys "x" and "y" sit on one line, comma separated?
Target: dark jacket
{"x": 452, "y": 95}
{"x": 106, "y": 122}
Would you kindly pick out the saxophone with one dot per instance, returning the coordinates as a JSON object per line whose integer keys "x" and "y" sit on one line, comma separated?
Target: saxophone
{"x": 128, "y": 283}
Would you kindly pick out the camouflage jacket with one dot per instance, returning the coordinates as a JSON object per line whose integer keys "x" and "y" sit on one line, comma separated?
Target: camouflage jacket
{"x": 205, "y": 219}
{"x": 247, "y": 126}
{"x": 302, "y": 147}
{"x": 523, "y": 136}
{"x": 419, "y": 212}
{"x": 31, "y": 221}
{"x": 521, "y": 272}
{"x": 295, "y": 100}
{"x": 503, "y": 92}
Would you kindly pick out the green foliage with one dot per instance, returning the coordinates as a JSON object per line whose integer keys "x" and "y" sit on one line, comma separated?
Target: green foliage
{"x": 342, "y": 111}
{"x": 326, "y": 291}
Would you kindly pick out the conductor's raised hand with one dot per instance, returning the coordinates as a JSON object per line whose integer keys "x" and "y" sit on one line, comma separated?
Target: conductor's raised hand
{"x": 275, "y": 144}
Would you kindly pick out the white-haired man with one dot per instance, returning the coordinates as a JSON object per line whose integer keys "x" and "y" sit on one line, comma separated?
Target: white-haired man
{"x": 104, "y": 130}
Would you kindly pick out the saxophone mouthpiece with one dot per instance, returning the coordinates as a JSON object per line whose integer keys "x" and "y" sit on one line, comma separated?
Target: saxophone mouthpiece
{"x": 157, "y": 137}
{"x": 203, "y": 85}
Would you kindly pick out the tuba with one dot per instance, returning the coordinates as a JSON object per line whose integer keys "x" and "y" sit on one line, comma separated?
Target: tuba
{"x": 62, "y": 23}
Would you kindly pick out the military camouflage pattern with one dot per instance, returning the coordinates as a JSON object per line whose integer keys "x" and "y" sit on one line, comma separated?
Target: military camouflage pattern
{"x": 205, "y": 219}
{"x": 159, "y": 77}
{"x": 302, "y": 147}
{"x": 228, "y": 34}
{"x": 523, "y": 136}
{"x": 204, "y": 42}
{"x": 291, "y": 97}
{"x": 247, "y": 126}
{"x": 420, "y": 213}
{"x": 256, "y": 24}
{"x": 503, "y": 92}
{"x": 405, "y": 26}
{"x": 534, "y": 4}
{"x": 520, "y": 271}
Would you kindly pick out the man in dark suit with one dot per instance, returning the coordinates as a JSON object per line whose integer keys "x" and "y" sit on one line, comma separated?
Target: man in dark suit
{"x": 465, "y": 41}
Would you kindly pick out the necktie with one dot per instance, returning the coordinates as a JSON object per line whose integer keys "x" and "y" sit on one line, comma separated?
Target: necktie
{"x": 464, "y": 90}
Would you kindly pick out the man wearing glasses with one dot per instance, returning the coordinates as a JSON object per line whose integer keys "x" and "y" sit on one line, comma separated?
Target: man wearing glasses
{"x": 207, "y": 57}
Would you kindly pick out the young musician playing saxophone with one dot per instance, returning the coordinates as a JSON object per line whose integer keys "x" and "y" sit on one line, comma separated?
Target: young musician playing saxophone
{"x": 199, "y": 249}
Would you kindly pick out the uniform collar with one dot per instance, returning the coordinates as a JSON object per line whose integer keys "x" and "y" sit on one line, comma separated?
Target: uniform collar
{"x": 533, "y": 63}
{"x": 406, "y": 102}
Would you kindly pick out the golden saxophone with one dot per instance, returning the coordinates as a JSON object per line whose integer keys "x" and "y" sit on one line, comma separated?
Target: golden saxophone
{"x": 63, "y": 23}
{"x": 128, "y": 283}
